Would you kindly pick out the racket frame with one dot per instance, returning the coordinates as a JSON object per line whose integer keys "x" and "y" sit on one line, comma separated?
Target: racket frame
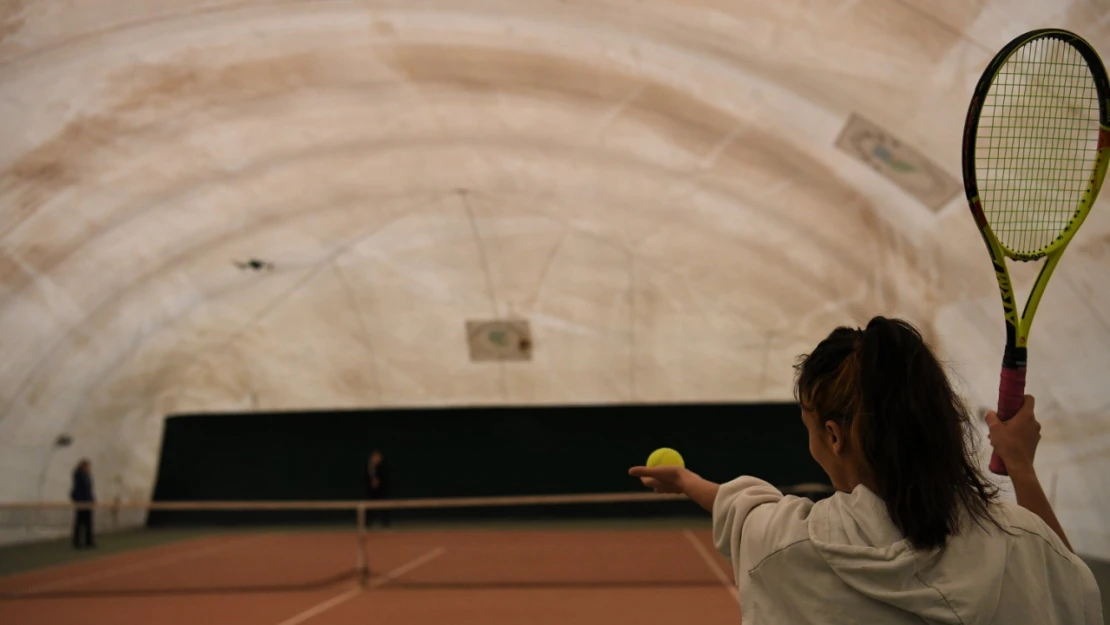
{"x": 1015, "y": 355}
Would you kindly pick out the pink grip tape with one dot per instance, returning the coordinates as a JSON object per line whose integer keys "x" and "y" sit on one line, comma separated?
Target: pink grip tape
{"x": 1011, "y": 395}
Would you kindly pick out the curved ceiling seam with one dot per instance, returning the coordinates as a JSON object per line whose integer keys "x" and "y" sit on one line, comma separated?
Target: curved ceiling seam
{"x": 191, "y": 12}
{"x": 533, "y": 299}
{"x": 690, "y": 35}
{"x": 139, "y": 339}
{"x": 491, "y": 289}
{"x": 545, "y": 215}
{"x": 160, "y": 123}
{"x": 49, "y": 355}
{"x": 181, "y": 116}
{"x": 273, "y": 305}
{"x": 727, "y": 70}
{"x": 185, "y": 188}
{"x": 313, "y": 209}
{"x": 372, "y": 354}
{"x": 109, "y": 371}
{"x": 558, "y": 49}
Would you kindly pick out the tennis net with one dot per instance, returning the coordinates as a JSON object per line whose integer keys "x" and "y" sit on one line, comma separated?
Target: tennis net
{"x": 151, "y": 548}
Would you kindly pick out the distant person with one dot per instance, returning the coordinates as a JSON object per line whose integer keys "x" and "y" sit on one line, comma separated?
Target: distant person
{"x": 916, "y": 532}
{"x": 82, "y": 493}
{"x": 377, "y": 486}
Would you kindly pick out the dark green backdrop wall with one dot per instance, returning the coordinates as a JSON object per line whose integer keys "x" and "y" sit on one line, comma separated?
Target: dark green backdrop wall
{"x": 473, "y": 452}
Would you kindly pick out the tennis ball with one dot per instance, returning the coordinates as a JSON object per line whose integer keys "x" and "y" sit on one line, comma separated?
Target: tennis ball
{"x": 665, "y": 456}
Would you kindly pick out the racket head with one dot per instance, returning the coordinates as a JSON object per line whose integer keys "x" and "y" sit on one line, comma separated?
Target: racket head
{"x": 1036, "y": 143}
{"x": 1035, "y": 150}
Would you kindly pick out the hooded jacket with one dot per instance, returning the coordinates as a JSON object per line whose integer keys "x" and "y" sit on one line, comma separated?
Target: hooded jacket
{"x": 842, "y": 560}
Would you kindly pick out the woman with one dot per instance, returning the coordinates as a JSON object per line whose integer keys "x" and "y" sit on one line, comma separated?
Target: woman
{"x": 915, "y": 533}
{"x": 81, "y": 493}
{"x": 377, "y": 485}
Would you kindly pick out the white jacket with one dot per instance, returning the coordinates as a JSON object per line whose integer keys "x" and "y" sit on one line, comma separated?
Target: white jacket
{"x": 842, "y": 560}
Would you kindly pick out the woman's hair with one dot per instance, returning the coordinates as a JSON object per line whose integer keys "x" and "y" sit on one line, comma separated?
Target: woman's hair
{"x": 891, "y": 397}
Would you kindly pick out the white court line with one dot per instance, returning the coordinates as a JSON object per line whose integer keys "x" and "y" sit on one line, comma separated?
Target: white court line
{"x": 354, "y": 592}
{"x": 139, "y": 566}
{"x": 323, "y": 607}
{"x": 405, "y": 568}
{"x": 713, "y": 564}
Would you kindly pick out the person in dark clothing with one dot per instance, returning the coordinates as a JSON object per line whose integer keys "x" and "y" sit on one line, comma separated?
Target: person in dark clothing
{"x": 82, "y": 493}
{"x": 377, "y": 486}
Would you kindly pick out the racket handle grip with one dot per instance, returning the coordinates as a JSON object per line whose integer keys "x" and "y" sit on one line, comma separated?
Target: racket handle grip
{"x": 1011, "y": 395}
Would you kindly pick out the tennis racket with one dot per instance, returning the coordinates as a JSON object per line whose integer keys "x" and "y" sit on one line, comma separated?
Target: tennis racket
{"x": 1035, "y": 150}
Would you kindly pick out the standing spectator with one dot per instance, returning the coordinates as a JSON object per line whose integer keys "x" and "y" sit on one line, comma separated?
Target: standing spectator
{"x": 82, "y": 493}
{"x": 377, "y": 485}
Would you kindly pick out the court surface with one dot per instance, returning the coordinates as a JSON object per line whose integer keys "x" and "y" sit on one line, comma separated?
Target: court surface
{"x": 466, "y": 575}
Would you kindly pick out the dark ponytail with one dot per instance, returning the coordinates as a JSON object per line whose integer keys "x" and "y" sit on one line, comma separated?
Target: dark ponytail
{"x": 885, "y": 386}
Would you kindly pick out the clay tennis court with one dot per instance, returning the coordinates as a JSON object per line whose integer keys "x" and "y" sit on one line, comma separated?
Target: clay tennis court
{"x": 462, "y": 576}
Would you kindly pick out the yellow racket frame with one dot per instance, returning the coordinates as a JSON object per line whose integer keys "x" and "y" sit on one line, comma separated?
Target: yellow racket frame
{"x": 1018, "y": 327}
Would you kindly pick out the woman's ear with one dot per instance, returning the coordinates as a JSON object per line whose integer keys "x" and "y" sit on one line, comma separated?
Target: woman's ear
{"x": 835, "y": 436}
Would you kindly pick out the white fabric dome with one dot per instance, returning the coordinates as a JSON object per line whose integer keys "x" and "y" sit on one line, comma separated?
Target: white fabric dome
{"x": 655, "y": 186}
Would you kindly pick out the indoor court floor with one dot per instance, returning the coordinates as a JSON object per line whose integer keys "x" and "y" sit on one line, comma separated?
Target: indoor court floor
{"x": 466, "y": 576}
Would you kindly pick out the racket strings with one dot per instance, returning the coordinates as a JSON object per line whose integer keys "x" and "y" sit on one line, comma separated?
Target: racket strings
{"x": 1037, "y": 144}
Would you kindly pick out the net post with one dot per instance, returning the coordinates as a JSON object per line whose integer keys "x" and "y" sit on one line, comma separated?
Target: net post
{"x": 362, "y": 561}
